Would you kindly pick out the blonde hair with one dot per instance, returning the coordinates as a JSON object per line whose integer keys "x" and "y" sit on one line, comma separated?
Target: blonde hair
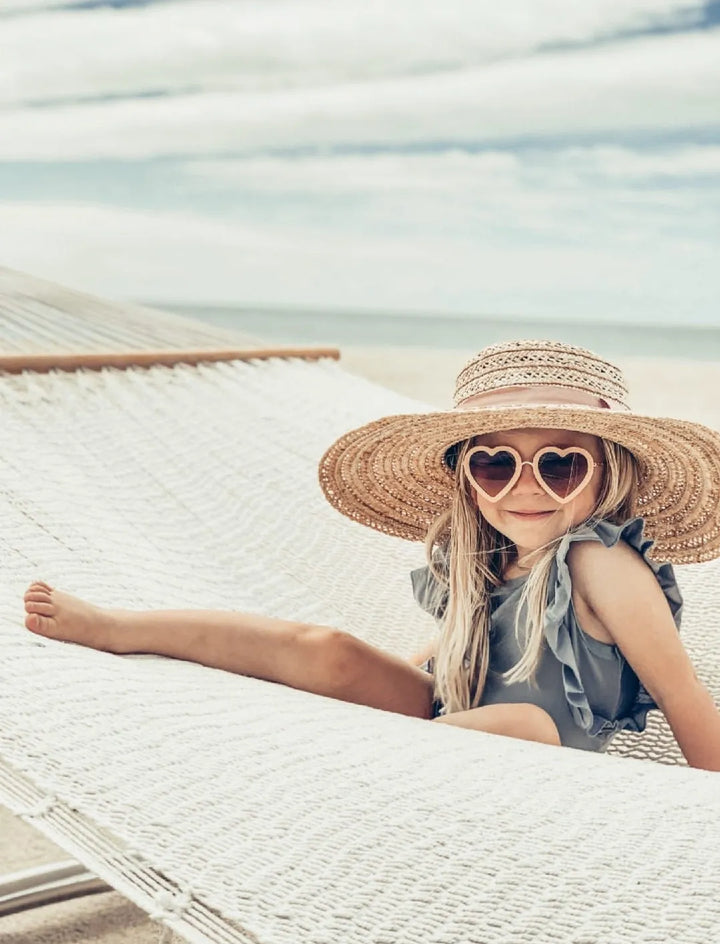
{"x": 468, "y": 557}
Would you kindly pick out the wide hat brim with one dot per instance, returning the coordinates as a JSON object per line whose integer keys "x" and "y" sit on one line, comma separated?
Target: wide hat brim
{"x": 390, "y": 474}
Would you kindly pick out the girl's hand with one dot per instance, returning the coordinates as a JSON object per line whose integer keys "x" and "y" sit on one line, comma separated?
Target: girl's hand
{"x": 421, "y": 657}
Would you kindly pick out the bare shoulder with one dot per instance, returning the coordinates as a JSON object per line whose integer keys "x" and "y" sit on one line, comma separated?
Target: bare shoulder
{"x": 594, "y": 570}
{"x": 621, "y": 592}
{"x": 613, "y": 585}
{"x": 592, "y": 564}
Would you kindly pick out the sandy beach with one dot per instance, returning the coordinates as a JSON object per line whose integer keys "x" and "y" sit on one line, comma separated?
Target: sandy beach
{"x": 684, "y": 389}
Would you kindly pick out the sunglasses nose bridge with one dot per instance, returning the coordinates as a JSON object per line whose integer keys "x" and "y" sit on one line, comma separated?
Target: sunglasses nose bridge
{"x": 527, "y": 477}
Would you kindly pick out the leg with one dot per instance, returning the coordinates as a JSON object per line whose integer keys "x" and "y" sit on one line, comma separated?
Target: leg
{"x": 513, "y": 720}
{"x": 312, "y": 658}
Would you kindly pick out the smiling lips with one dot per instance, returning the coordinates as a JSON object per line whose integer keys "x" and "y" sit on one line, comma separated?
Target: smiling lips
{"x": 530, "y": 514}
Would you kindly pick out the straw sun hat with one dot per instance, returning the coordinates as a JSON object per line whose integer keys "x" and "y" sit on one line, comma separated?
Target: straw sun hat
{"x": 393, "y": 474}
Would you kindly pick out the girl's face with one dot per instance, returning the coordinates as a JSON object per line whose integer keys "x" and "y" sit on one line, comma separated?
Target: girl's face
{"x": 527, "y": 515}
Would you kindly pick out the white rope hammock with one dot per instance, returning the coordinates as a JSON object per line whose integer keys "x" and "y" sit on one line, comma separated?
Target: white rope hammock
{"x": 39, "y": 316}
{"x": 236, "y": 810}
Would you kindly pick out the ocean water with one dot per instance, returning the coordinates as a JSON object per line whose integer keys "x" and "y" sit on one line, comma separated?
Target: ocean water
{"x": 286, "y": 326}
{"x": 543, "y": 160}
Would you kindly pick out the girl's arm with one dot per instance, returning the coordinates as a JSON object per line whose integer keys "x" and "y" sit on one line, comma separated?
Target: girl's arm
{"x": 626, "y": 598}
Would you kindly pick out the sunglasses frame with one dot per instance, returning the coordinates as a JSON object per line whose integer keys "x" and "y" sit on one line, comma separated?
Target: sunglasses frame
{"x": 535, "y": 463}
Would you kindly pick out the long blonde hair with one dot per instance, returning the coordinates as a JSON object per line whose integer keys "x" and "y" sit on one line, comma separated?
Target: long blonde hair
{"x": 468, "y": 557}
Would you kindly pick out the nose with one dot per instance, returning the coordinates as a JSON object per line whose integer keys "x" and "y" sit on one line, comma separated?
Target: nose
{"x": 527, "y": 484}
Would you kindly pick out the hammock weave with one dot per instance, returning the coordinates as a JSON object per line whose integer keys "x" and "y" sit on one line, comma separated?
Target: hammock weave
{"x": 40, "y": 316}
{"x": 236, "y": 810}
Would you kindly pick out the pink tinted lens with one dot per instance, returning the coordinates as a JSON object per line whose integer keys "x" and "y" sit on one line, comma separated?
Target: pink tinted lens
{"x": 563, "y": 474}
{"x": 492, "y": 473}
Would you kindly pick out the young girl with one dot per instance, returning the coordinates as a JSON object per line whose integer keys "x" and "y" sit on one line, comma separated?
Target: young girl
{"x": 540, "y": 497}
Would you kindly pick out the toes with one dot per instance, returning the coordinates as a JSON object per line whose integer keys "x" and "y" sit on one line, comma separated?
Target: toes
{"x": 37, "y": 623}
{"x": 40, "y": 585}
{"x": 42, "y": 607}
{"x": 37, "y": 596}
{"x": 32, "y": 623}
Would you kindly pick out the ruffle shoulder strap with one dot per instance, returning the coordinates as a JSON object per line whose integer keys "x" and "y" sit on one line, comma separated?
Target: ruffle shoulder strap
{"x": 558, "y": 616}
{"x": 428, "y": 592}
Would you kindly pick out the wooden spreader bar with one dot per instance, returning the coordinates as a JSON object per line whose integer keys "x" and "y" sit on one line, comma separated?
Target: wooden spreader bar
{"x": 43, "y": 363}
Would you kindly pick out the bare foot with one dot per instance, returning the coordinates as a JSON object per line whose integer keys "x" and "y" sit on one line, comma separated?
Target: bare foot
{"x": 59, "y": 615}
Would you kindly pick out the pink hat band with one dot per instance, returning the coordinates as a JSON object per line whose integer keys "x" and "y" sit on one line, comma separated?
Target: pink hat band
{"x": 539, "y": 396}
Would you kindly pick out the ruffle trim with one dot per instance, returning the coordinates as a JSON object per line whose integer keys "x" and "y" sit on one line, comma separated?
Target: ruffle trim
{"x": 426, "y": 591}
{"x": 560, "y": 641}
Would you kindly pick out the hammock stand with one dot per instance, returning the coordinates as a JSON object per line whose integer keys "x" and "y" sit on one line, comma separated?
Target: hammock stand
{"x": 234, "y": 810}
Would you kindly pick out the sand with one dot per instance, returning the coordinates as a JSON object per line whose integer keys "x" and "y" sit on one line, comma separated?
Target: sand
{"x": 684, "y": 389}
{"x": 658, "y": 386}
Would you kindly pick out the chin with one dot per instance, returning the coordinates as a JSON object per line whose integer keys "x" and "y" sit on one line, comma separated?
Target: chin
{"x": 534, "y": 534}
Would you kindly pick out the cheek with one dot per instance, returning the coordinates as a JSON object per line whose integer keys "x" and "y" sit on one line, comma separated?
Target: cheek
{"x": 486, "y": 509}
{"x": 586, "y": 502}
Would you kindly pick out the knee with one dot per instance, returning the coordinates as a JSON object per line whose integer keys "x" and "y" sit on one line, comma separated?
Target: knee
{"x": 334, "y": 654}
{"x": 513, "y": 719}
{"x": 538, "y": 725}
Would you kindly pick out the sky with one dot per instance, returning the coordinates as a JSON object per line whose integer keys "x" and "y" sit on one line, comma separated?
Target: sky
{"x": 530, "y": 159}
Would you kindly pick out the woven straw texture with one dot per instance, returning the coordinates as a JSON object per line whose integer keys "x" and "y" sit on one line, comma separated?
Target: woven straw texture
{"x": 236, "y": 810}
{"x": 393, "y": 475}
{"x": 517, "y": 363}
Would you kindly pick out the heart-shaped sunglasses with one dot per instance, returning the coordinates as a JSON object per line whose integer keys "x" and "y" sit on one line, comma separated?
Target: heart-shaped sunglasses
{"x": 562, "y": 473}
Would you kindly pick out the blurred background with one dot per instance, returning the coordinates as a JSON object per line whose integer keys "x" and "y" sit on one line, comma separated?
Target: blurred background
{"x": 397, "y": 172}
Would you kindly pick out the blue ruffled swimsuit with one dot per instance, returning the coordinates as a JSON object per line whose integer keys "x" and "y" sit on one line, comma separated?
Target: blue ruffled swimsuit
{"x": 585, "y": 685}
